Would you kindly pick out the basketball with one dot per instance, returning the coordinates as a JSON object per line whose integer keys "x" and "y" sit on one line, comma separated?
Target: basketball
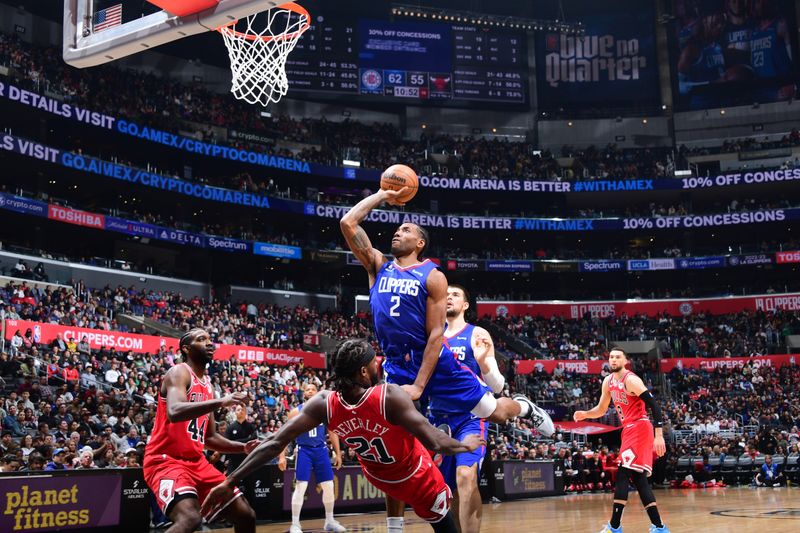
{"x": 396, "y": 177}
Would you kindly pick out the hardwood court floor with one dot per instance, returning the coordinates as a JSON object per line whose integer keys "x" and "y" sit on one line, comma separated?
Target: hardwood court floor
{"x": 726, "y": 510}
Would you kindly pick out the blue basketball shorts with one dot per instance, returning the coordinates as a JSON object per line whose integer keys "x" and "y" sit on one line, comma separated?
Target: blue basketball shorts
{"x": 315, "y": 459}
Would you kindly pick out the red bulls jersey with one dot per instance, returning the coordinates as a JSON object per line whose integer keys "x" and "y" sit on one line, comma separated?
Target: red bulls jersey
{"x": 386, "y": 452}
{"x": 181, "y": 440}
{"x": 630, "y": 407}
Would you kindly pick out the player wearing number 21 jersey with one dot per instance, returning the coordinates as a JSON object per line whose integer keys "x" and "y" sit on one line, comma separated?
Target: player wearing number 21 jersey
{"x": 380, "y": 424}
{"x": 174, "y": 465}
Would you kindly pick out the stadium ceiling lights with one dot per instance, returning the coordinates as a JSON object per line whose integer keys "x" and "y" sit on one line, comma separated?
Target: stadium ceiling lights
{"x": 482, "y": 19}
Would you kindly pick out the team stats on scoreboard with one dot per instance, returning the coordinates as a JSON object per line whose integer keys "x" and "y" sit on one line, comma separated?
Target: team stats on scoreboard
{"x": 412, "y": 60}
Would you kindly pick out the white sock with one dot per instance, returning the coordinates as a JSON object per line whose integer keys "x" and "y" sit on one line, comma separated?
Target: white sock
{"x": 297, "y": 500}
{"x": 394, "y": 524}
{"x": 525, "y": 409}
{"x": 327, "y": 499}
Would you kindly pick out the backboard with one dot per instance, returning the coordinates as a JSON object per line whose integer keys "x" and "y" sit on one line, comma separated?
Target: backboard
{"x": 97, "y": 32}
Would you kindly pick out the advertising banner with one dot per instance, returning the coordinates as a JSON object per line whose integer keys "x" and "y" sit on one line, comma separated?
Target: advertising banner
{"x": 613, "y": 62}
{"x": 97, "y": 338}
{"x": 673, "y": 307}
{"x": 178, "y": 236}
{"x": 75, "y": 216}
{"x": 787, "y": 257}
{"x": 750, "y": 260}
{"x": 772, "y": 361}
{"x": 464, "y": 264}
{"x": 651, "y": 264}
{"x": 529, "y": 366}
{"x": 509, "y": 266}
{"x": 131, "y": 227}
{"x": 277, "y": 250}
{"x": 557, "y": 266}
{"x": 227, "y": 244}
{"x": 57, "y": 503}
{"x": 601, "y": 266}
{"x": 26, "y": 206}
{"x": 47, "y": 333}
{"x": 701, "y": 262}
{"x": 133, "y": 175}
{"x": 351, "y": 487}
{"x": 528, "y": 478}
{"x": 270, "y": 356}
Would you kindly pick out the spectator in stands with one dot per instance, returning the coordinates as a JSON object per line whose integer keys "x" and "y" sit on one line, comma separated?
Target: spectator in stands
{"x": 26, "y": 446}
{"x": 39, "y": 273}
{"x": 85, "y": 460}
{"x": 770, "y": 474}
{"x": 119, "y": 439}
{"x": 16, "y": 343}
{"x": 10, "y": 463}
{"x": 11, "y": 422}
{"x": 57, "y": 462}
{"x": 21, "y": 269}
{"x": 35, "y": 462}
{"x": 240, "y": 430}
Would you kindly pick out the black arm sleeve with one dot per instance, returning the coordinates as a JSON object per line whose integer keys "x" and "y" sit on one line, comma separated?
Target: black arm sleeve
{"x": 650, "y": 401}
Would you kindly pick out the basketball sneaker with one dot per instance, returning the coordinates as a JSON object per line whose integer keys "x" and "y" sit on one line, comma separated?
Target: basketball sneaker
{"x": 608, "y": 529}
{"x": 334, "y": 526}
{"x": 538, "y": 416}
{"x": 656, "y": 529}
{"x": 295, "y": 528}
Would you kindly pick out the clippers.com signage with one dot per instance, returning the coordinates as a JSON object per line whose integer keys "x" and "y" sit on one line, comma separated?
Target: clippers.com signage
{"x": 125, "y": 342}
{"x": 575, "y": 310}
{"x": 773, "y": 361}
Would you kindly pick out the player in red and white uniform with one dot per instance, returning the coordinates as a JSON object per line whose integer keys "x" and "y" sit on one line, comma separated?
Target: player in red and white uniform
{"x": 174, "y": 465}
{"x": 380, "y": 423}
{"x": 631, "y": 399}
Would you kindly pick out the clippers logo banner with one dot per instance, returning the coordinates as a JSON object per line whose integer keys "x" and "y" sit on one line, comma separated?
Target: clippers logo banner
{"x": 614, "y": 61}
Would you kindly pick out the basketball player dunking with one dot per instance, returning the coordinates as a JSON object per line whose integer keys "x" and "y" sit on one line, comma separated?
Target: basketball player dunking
{"x": 631, "y": 398}
{"x": 475, "y": 350}
{"x": 408, "y": 298}
{"x": 174, "y": 465}
{"x": 380, "y": 423}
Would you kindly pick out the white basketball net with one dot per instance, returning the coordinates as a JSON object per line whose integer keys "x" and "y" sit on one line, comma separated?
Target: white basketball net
{"x": 258, "y": 54}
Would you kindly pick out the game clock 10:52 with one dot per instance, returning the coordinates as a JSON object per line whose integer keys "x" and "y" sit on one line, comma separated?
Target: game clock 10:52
{"x": 404, "y": 84}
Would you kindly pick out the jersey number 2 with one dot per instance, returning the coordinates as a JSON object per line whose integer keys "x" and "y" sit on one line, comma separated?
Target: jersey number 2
{"x": 364, "y": 448}
{"x": 196, "y": 432}
{"x": 393, "y": 309}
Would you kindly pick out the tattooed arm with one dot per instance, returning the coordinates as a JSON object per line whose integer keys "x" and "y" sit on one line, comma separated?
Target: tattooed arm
{"x": 357, "y": 238}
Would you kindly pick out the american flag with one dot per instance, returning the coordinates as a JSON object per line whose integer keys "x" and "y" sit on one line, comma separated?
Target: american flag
{"x": 108, "y": 18}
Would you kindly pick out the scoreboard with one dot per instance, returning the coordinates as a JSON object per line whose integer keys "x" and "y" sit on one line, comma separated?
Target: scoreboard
{"x": 411, "y": 60}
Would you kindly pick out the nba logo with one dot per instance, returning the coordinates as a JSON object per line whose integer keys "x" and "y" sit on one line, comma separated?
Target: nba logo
{"x": 551, "y": 42}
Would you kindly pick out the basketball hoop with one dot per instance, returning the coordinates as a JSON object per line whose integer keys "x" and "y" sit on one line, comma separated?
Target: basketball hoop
{"x": 258, "y": 51}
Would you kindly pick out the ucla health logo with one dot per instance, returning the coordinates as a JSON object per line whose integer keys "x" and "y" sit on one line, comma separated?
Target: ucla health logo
{"x": 685, "y": 308}
{"x": 371, "y": 79}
